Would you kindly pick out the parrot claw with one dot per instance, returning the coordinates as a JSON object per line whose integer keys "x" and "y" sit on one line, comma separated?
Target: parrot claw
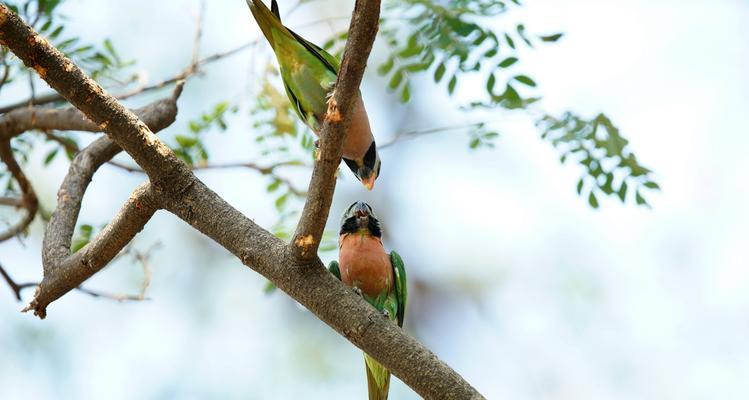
{"x": 386, "y": 313}
{"x": 357, "y": 291}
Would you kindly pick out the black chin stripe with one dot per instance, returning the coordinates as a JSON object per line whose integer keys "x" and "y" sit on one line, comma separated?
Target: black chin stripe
{"x": 351, "y": 226}
{"x": 374, "y": 227}
{"x": 371, "y": 156}
{"x": 351, "y": 165}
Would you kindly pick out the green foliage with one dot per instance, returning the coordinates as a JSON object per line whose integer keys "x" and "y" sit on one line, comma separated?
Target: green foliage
{"x": 448, "y": 40}
{"x": 81, "y": 239}
{"x": 609, "y": 165}
{"x": 102, "y": 61}
{"x": 282, "y": 137}
{"x": 190, "y": 147}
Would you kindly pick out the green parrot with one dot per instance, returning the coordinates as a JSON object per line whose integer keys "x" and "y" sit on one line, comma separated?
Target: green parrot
{"x": 309, "y": 74}
{"x": 378, "y": 276}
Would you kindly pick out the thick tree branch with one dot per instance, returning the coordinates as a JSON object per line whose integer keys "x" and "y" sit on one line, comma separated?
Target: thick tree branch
{"x": 63, "y": 271}
{"x": 157, "y": 115}
{"x": 362, "y": 34}
{"x": 174, "y": 186}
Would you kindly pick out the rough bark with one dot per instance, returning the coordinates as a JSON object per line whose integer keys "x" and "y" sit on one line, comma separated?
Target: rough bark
{"x": 294, "y": 268}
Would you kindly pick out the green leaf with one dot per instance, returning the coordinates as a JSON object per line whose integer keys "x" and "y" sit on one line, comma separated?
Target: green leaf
{"x": 406, "y": 93}
{"x": 622, "y": 192}
{"x": 592, "y": 200}
{"x": 186, "y": 141}
{"x": 56, "y": 33}
{"x": 396, "y": 79}
{"x": 525, "y": 80}
{"x": 281, "y": 200}
{"x": 439, "y": 72}
{"x": 490, "y": 83}
{"x": 77, "y": 245}
{"x": 552, "y": 38}
{"x": 509, "y": 41}
{"x": 507, "y": 62}
{"x": 269, "y": 288}
{"x": 273, "y": 186}
{"x": 50, "y": 156}
{"x": 385, "y": 67}
{"x": 652, "y": 185}
{"x": 451, "y": 85}
{"x": 86, "y": 230}
{"x": 580, "y": 185}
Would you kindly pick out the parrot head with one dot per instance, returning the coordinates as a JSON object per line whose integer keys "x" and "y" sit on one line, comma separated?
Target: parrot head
{"x": 360, "y": 218}
{"x": 368, "y": 168}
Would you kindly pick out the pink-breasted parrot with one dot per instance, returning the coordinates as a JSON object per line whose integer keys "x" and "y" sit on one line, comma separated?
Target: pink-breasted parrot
{"x": 309, "y": 74}
{"x": 379, "y": 277}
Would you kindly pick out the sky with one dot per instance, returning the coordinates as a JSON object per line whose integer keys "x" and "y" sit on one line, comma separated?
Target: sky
{"x": 517, "y": 283}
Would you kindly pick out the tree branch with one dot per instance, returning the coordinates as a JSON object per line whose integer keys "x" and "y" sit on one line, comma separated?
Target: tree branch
{"x": 28, "y": 199}
{"x": 158, "y": 115}
{"x": 63, "y": 271}
{"x": 175, "y": 187}
{"x": 362, "y": 32}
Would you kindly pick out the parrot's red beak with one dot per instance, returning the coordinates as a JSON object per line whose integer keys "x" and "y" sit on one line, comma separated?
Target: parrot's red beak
{"x": 361, "y": 210}
{"x": 369, "y": 182}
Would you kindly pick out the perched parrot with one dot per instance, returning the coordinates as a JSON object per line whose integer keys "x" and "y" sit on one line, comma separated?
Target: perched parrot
{"x": 309, "y": 74}
{"x": 379, "y": 277}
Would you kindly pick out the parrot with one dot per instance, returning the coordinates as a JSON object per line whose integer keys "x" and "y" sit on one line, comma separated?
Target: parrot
{"x": 378, "y": 276}
{"x": 309, "y": 74}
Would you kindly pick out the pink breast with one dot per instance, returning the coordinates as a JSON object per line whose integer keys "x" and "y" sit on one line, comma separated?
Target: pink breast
{"x": 364, "y": 264}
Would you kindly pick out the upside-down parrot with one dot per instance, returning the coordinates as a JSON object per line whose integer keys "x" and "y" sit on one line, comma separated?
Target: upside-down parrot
{"x": 309, "y": 74}
{"x": 379, "y": 277}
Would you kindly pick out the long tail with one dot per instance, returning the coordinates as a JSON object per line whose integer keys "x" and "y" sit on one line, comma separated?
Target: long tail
{"x": 267, "y": 19}
{"x": 378, "y": 379}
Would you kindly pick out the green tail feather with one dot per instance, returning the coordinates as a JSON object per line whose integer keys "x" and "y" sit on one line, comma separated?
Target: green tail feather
{"x": 378, "y": 379}
{"x": 265, "y": 19}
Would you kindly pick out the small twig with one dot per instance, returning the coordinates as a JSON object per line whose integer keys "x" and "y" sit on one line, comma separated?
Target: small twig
{"x": 269, "y": 170}
{"x": 400, "y": 136}
{"x": 198, "y": 34}
{"x": 11, "y": 202}
{"x": 29, "y": 200}
{"x": 187, "y": 72}
{"x": 6, "y": 68}
{"x": 17, "y": 288}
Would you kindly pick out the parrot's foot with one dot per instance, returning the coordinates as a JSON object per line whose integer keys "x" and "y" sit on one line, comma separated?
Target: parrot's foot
{"x": 332, "y": 115}
{"x": 386, "y": 313}
{"x": 357, "y": 291}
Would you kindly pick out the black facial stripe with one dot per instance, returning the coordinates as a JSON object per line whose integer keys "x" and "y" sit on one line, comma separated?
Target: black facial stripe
{"x": 371, "y": 156}
{"x": 374, "y": 227}
{"x": 353, "y": 167}
{"x": 350, "y": 225}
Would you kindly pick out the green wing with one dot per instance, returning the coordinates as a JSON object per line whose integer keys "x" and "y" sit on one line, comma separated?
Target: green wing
{"x": 334, "y": 269}
{"x": 326, "y": 58}
{"x": 401, "y": 285}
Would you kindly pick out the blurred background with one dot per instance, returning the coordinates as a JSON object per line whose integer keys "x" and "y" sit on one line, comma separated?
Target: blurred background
{"x": 517, "y": 283}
